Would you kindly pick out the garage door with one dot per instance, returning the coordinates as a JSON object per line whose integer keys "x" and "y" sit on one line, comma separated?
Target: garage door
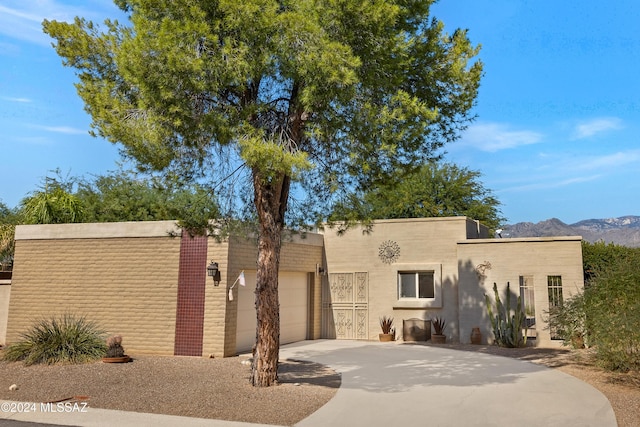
{"x": 293, "y": 295}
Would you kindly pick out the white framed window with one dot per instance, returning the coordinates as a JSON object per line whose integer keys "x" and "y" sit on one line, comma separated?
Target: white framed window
{"x": 419, "y": 286}
{"x": 416, "y": 284}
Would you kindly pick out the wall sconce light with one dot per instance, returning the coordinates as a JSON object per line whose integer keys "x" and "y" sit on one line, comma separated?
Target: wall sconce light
{"x": 214, "y": 272}
{"x": 320, "y": 270}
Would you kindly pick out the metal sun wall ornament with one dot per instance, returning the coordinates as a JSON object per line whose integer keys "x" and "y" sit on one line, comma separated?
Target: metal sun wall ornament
{"x": 389, "y": 252}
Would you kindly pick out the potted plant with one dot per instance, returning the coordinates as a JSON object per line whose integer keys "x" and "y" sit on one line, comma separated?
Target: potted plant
{"x": 388, "y": 331}
{"x": 115, "y": 351}
{"x": 439, "y": 325}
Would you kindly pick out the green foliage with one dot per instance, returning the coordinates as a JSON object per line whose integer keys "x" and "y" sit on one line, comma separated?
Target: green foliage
{"x": 433, "y": 190}
{"x": 612, "y": 306}
{"x": 600, "y": 257}
{"x": 606, "y": 316}
{"x": 54, "y": 203}
{"x": 7, "y": 246}
{"x": 67, "y": 339}
{"x": 8, "y": 221}
{"x": 508, "y": 326}
{"x": 341, "y": 98}
{"x": 268, "y": 157}
{"x": 126, "y": 196}
{"x": 568, "y": 322}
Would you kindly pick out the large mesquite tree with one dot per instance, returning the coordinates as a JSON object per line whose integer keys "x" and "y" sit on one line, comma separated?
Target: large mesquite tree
{"x": 339, "y": 94}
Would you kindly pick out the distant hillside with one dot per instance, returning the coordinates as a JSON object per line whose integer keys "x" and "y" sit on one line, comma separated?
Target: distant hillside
{"x": 622, "y": 231}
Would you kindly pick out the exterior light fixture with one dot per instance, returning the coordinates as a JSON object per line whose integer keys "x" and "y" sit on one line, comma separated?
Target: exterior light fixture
{"x": 214, "y": 272}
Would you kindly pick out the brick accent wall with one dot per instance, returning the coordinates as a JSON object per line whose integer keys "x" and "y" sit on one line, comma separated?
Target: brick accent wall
{"x": 191, "y": 295}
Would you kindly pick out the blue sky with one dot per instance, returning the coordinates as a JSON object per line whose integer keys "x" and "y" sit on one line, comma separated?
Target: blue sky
{"x": 558, "y": 115}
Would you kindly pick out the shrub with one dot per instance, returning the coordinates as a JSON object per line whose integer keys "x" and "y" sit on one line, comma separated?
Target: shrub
{"x": 612, "y": 306}
{"x": 569, "y": 322}
{"x": 67, "y": 339}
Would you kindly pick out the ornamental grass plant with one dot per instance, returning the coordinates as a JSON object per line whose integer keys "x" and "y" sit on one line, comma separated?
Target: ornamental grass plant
{"x": 65, "y": 339}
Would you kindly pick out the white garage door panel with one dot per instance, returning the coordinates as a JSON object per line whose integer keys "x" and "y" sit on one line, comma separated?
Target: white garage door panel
{"x": 293, "y": 295}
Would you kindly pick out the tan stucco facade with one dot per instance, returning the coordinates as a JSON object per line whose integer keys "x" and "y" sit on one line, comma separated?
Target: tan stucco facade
{"x": 124, "y": 276}
{"x": 455, "y": 251}
{"x": 127, "y": 277}
{"x": 485, "y": 262}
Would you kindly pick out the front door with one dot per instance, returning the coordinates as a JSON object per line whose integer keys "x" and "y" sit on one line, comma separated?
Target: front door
{"x": 345, "y": 306}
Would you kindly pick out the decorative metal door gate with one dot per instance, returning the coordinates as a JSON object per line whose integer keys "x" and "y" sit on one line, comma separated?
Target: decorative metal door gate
{"x": 345, "y": 306}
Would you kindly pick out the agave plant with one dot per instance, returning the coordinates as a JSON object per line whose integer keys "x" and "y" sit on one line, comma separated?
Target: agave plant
{"x": 439, "y": 325}
{"x": 386, "y": 323}
{"x": 66, "y": 339}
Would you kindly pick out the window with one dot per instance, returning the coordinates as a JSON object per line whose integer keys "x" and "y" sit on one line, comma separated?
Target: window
{"x": 528, "y": 304}
{"x": 416, "y": 285}
{"x": 554, "y": 289}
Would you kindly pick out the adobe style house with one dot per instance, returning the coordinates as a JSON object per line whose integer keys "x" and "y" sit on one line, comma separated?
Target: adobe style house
{"x": 148, "y": 282}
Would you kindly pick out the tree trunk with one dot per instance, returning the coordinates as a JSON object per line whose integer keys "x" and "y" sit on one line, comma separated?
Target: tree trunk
{"x": 271, "y": 198}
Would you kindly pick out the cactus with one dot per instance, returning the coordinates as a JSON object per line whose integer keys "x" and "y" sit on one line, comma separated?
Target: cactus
{"x": 507, "y": 327}
{"x": 114, "y": 346}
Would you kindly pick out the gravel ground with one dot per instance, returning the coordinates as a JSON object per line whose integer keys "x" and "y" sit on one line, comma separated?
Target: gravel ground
{"x": 219, "y": 388}
{"x": 187, "y": 386}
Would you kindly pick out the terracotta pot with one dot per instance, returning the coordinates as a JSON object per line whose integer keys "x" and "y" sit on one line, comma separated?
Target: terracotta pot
{"x": 438, "y": 339}
{"x": 386, "y": 337}
{"x": 476, "y": 336}
{"x": 123, "y": 359}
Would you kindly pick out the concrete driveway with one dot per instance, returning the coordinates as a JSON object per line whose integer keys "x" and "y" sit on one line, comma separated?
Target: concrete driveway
{"x": 392, "y": 384}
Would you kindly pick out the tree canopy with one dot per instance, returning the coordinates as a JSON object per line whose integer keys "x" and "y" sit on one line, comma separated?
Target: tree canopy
{"x": 8, "y": 220}
{"x": 128, "y": 196}
{"x": 340, "y": 96}
{"x": 53, "y": 203}
{"x": 434, "y": 190}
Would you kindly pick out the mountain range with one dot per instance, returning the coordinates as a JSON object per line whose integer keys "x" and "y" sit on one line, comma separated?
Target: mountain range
{"x": 623, "y": 231}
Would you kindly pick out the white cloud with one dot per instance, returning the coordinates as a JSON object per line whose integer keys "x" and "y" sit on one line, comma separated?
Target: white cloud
{"x": 496, "y": 136}
{"x": 548, "y": 184}
{"x": 11, "y": 99}
{"x": 611, "y": 161}
{"x": 560, "y": 171}
{"x": 64, "y": 129}
{"x": 595, "y": 126}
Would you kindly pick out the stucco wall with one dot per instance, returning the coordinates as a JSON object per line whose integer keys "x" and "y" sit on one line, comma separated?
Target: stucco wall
{"x": 298, "y": 254}
{"x": 505, "y": 260}
{"x": 424, "y": 244}
{"x": 124, "y": 276}
{"x": 126, "y": 284}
